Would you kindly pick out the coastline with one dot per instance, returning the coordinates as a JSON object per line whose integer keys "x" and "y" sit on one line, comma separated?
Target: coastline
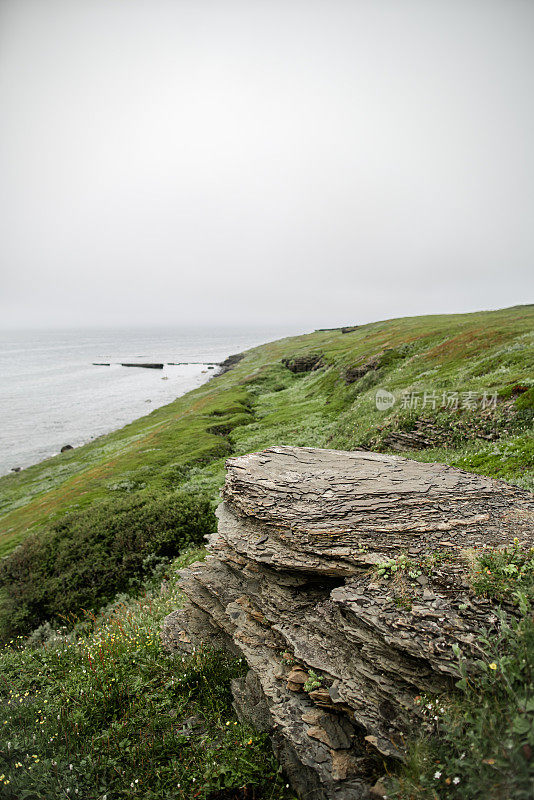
{"x": 49, "y": 475}
{"x": 183, "y": 445}
{"x": 74, "y": 442}
{"x": 64, "y": 387}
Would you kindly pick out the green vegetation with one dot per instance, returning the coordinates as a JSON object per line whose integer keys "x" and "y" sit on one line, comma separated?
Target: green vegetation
{"x": 506, "y": 574}
{"x": 479, "y": 742}
{"x": 83, "y": 560}
{"x": 314, "y": 681}
{"x": 107, "y": 713}
{"x": 260, "y": 402}
{"x": 92, "y": 705}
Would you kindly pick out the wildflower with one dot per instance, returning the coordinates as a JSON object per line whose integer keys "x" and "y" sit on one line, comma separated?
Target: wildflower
{"x": 456, "y": 780}
{"x": 437, "y": 775}
{"x": 493, "y": 665}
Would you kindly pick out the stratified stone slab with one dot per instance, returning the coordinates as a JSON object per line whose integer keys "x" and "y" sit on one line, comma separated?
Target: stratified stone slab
{"x": 290, "y": 585}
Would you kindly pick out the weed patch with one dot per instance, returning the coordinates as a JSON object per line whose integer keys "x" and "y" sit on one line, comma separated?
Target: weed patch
{"x": 110, "y": 714}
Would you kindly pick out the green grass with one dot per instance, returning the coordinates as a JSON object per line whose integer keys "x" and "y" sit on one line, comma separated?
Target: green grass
{"x": 260, "y": 403}
{"x": 109, "y": 714}
{"x": 99, "y": 707}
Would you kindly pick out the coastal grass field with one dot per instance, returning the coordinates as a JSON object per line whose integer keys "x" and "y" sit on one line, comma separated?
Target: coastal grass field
{"x": 91, "y": 704}
{"x": 260, "y": 402}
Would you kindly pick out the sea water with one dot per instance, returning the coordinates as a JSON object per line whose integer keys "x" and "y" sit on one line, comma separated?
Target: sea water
{"x": 51, "y": 393}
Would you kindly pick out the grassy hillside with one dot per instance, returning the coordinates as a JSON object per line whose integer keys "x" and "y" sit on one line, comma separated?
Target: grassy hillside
{"x": 260, "y": 402}
{"x": 93, "y": 707}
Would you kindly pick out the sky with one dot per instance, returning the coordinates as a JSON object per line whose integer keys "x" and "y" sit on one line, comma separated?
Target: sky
{"x": 305, "y": 162}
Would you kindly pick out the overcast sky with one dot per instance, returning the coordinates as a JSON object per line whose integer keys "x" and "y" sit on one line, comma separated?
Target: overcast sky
{"x": 307, "y": 162}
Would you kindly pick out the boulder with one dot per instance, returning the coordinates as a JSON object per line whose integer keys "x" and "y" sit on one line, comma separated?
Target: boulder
{"x": 66, "y": 447}
{"x": 336, "y": 653}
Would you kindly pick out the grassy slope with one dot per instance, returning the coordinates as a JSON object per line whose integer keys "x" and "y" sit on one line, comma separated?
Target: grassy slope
{"x": 260, "y": 403}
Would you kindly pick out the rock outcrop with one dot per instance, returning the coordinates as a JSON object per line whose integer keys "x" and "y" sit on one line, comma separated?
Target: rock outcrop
{"x": 230, "y": 362}
{"x": 307, "y": 362}
{"x": 336, "y": 652}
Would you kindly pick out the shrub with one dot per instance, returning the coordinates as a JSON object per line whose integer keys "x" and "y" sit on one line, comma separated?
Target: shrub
{"x": 88, "y": 556}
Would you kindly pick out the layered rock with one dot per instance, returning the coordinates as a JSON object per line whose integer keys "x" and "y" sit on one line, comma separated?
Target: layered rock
{"x": 336, "y": 653}
{"x": 307, "y": 362}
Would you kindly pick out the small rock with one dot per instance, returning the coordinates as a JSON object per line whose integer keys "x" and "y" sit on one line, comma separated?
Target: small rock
{"x": 321, "y": 697}
{"x": 343, "y": 765}
{"x": 66, "y": 447}
{"x": 378, "y": 790}
{"x": 16, "y": 469}
{"x": 320, "y": 734}
{"x": 298, "y": 675}
{"x": 312, "y": 717}
{"x": 372, "y": 740}
{"x": 294, "y": 687}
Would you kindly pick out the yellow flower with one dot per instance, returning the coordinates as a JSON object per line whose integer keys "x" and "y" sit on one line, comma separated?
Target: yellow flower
{"x": 493, "y": 665}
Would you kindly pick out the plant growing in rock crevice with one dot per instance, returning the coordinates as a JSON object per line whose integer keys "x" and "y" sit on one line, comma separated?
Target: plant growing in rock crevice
{"x": 314, "y": 681}
{"x": 505, "y": 574}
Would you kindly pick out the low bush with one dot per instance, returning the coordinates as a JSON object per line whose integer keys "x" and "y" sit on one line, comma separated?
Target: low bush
{"x": 87, "y": 556}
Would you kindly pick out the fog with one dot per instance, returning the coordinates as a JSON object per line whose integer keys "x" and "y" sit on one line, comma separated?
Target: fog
{"x": 264, "y": 162}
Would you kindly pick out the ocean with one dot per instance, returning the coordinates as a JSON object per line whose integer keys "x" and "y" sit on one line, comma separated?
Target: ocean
{"x": 51, "y": 394}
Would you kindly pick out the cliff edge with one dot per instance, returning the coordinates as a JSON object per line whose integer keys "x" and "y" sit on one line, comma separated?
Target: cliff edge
{"x": 342, "y": 579}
